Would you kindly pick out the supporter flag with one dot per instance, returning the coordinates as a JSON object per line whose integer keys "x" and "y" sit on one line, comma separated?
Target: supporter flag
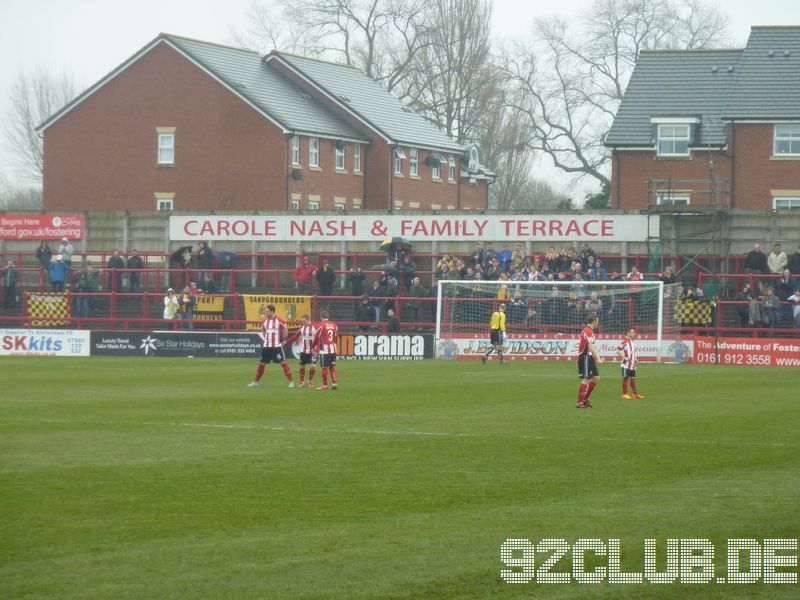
{"x": 209, "y": 308}
{"x": 288, "y": 308}
{"x": 48, "y": 309}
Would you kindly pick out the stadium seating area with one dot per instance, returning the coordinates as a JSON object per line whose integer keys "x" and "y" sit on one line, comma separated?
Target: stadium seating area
{"x": 101, "y": 297}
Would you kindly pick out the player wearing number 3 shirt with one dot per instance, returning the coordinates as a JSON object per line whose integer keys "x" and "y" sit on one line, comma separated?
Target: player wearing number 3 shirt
{"x": 274, "y": 330}
{"x": 325, "y": 345}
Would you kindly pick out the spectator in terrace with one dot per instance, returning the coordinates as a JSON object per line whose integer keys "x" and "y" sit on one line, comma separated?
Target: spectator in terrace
{"x": 326, "y": 277}
{"x": 376, "y": 295}
{"x": 794, "y": 263}
{"x": 407, "y": 268}
{"x": 770, "y": 309}
{"x": 392, "y": 322}
{"x": 477, "y": 256}
{"x": 205, "y": 258}
{"x": 586, "y": 256}
{"x": 598, "y": 272}
{"x": 170, "y": 305}
{"x": 517, "y": 309}
{"x": 303, "y": 276}
{"x": 777, "y": 260}
{"x": 551, "y": 259}
{"x": 743, "y": 309}
{"x": 443, "y": 265}
{"x": 58, "y": 273}
{"x": 794, "y": 301}
{"x": 364, "y": 313}
{"x": 668, "y": 276}
{"x": 634, "y": 275}
{"x": 517, "y": 260}
{"x": 355, "y": 279}
{"x": 186, "y": 304}
{"x": 504, "y": 256}
{"x": 783, "y": 289}
{"x": 135, "y": 265}
{"x": 82, "y": 284}
{"x": 208, "y": 285}
{"x": 10, "y": 276}
{"x": 417, "y": 290}
{"x": 756, "y": 261}
{"x": 593, "y": 304}
{"x": 753, "y": 310}
{"x": 66, "y": 251}
{"x": 493, "y": 270}
{"x": 44, "y": 255}
{"x": 115, "y": 265}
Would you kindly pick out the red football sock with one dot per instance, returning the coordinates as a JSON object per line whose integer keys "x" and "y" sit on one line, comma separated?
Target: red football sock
{"x": 333, "y": 375}
{"x": 260, "y": 371}
{"x": 311, "y": 374}
{"x": 582, "y": 393}
{"x": 324, "y": 376}
{"x": 287, "y": 370}
{"x": 302, "y": 374}
{"x": 633, "y": 385}
{"x": 591, "y": 387}
{"x": 624, "y": 385}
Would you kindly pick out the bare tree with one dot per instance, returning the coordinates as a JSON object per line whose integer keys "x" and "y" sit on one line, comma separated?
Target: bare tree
{"x": 33, "y": 99}
{"x": 267, "y": 31}
{"x": 570, "y": 79}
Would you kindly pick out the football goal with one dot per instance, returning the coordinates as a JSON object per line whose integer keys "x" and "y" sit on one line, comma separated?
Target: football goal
{"x": 544, "y": 318}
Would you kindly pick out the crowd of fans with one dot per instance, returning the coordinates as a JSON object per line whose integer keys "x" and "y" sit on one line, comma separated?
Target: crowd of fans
{"x": 765, "y": 302}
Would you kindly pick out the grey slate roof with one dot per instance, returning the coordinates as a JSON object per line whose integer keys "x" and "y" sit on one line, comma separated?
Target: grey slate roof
{"x": 768, "y": 86}
{"x": 371, "y": 102}
{"x": 676, "y": 84}
{"x": 267, "y": 88}
{"x": 764, "y": 85}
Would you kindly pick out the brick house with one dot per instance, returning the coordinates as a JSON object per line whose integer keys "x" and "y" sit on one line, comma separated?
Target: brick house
{"x": 711, "y": 127}
{"x": 193, "y": 126}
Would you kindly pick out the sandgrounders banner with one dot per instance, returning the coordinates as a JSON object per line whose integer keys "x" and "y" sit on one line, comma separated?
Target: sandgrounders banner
{"x": 288, "y": 308}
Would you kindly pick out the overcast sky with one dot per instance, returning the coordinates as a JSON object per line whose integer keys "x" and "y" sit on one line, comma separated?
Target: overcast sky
{"x": 88, "y": 38}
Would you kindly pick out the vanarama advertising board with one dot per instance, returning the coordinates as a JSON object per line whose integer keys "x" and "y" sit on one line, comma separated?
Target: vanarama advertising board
{"x": 395, "y": 346}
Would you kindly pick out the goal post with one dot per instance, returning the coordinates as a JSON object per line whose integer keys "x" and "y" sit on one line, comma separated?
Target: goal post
{"x": 544, "y": 318}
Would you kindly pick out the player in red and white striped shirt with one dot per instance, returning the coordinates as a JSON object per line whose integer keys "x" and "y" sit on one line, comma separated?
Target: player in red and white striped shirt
{"x": 306, "y": 336}
{"x": 325, "y": 344}
{"x": 274, "y": 331}
{"x": 626, "y": 352}
{"x": 588, "y": 359}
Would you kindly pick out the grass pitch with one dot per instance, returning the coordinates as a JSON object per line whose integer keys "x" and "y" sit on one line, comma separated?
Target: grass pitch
{"x": 168, "y": 478}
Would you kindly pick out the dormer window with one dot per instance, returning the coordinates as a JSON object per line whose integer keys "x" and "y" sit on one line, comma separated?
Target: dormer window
{"x": 473, "y": 158}
{"x": 673, "y": 140}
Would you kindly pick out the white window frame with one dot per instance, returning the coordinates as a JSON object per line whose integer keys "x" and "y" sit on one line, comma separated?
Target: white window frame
{"x": 294, "y": 204}
{"x": 789, "y": 202}
{"x": 413, "y": 162}
{"x": 296, "y": 150}
{"x": 313, "y": 205}
{"x": 166, "y": 149}
{"x": 313, "y": 152}
{"x": 340, "y": 158}
{"x": 669, "y": 199}
{"x": 399, "y": 156}
{"x": 357, "y": 158}
{"x": 451, "y": 168}
{"x": 164, "y": 204}
{"x": 790, "y": 136}
{"x": 664, "y": 141}
{"x": 339, "y": 206}
{"x": 436, "y": 172}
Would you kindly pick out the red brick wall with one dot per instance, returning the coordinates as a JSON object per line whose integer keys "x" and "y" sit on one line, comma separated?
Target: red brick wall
{"x": 325, "y": 181}
{"x": 423, "y": 189}
{"x": 756, "y": 171}
{"x": 632, "y": 170}
{"x": 474, "y": 196}
{"x": 102, "y": 154}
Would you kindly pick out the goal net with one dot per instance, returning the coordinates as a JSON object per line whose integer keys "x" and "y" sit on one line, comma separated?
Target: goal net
{"x": 544, "y": 318}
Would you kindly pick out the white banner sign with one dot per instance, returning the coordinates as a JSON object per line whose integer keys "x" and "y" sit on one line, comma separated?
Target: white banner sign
{"x": 563, "y": 347}
{"x": 428, "y": 228}
{"x": 44, "y": 342}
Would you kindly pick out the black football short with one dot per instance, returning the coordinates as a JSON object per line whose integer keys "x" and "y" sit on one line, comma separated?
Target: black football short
{"x": 587, "y": 367}
{"x": 494, "y": 337}
{"x": 328, "y": 360}
{"x": 628, "y": 372}
{"x": 306, "y": 358}
{"x": 275, "y": 355}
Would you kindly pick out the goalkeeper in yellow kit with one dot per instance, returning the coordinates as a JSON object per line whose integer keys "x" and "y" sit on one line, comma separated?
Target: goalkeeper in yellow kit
{"x": 497, "y": 333}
